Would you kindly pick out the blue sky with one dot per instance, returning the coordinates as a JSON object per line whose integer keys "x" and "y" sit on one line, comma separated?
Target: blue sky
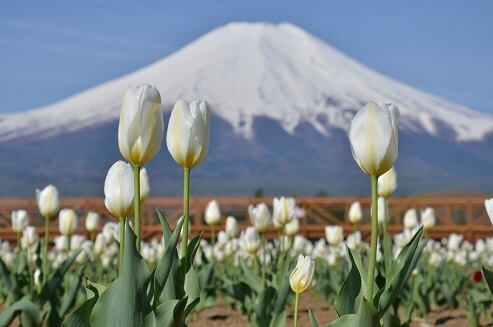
{"x": 52, "y": 49}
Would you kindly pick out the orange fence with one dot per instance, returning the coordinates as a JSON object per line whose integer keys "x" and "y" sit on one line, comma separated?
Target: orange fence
{"x": 464, "y": 215}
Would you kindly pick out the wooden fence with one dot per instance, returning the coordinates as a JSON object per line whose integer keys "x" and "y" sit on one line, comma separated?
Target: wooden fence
{"x": 464, "y": 215}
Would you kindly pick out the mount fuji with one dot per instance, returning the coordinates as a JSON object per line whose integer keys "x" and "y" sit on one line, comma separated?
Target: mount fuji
{"x": 281, "y": 101}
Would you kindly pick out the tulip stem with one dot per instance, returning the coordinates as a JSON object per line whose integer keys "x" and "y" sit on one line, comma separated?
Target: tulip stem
{"x": 18, "y": 245}
{"x": 374, "y": 239}
{"x": 186, "y": 218}
{"x": 122, "y": 246}
{"x": 296, "y": 309}
{"x": 387, "y": 243}
{"x": 47, "y": 240}
{"x": 138, "y": 222}
{"x": 263, "y": 259}
{"x": 213, "y": 235}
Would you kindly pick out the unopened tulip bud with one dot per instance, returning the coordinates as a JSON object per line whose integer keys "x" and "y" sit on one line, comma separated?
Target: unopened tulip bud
{"x": 355, "y": 213}
{"x": 67, "y": 222}
{"x": 302, "y": 275}
{"x": 119, "y": 190}
{"x": 92, "y": 221}
{"x": 48, "y": 202}
{"x": 231, "y": 227}
{"x": 410, "y": 219}
{"x": 20, "y": 219}
{"x": 489, "y": 208}
{"x": 387, "y": 183}
{"x": 284, "y": 210}
{"x": 334, "y": 234}
{"x": 140, "y": 132}
{"x": 188, "y": 133}
{"x": 145, "y": 188}
{"x": 212, "y": 214}
{"x": 260, "y": 217}
{"x": 292, "y": 227}
{"x": 428, "y": 218}
{"x": 251, "y": 240}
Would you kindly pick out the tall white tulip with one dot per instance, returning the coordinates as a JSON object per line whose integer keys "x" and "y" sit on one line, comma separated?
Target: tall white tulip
{"x": 188, "y": 133}
{"x": 231, "y": 228}
{"x": 140, "y": 132}
{"x": 334, "y": 234}
{"x": 119, "y": 190}
{"x": 20, "y": 219}
{"x": 428, "y": 218}
{"x": 48, "y": 202}
{"x": 145, "y": 188}
{"x": 355, "y": 213}
{"x": 212, "y": 213}
{"x": 67, "y": 222}
{"x": 302, "y": 275}
{"x": 251, "y": 240}
{"x": 260, "y": 217}
{"x": 373, "y": 137}
{"x": 284, "y": 210}
{"x": 292, "y": 227}
{"x": 489, "y": 208}
{"x": 387, "y": 183}
{"x": 410, "y": 219}
{"x": 92, "y": 221}
{"x": 382, "y": 208}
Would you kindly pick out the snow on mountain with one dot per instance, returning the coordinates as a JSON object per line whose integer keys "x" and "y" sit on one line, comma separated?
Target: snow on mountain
{"x": 250, "y": 70}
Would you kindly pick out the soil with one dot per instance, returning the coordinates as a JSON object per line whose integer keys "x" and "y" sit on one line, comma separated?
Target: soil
{"x": 221, "y": 316}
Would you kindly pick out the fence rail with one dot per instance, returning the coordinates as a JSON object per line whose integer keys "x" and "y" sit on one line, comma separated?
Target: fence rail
{"x": 464, "y": 215}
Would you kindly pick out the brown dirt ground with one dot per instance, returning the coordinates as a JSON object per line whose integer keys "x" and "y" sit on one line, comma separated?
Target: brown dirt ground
{"x": 221, "y": 316}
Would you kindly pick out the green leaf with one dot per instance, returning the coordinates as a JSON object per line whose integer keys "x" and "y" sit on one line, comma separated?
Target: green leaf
{"x": 192, "y": 289}
{"x": 399, "y": 272}
{"x": 488, "y": 276}
{"x": 25, "y": 306}
{"x": 164, "y": 226}
{"x": 282, "y": 296}
{"x": 353, "y": 288}
{"x": 164, "y": 313}
{"x": 168, "y": 260}
{"x": 367, "y": 315}
{"x": 279, "y": 320}
{"x": 80, "y": 316}
{"x": 250, "y": 277}
{"x": 192, "y": 249}
{"x": 124, "y": 302}
{"x": 262, "y": 305}
{"x": 313, "y": 321}
{"x": 71, "y": 292}
{"x": 345, "y": 321}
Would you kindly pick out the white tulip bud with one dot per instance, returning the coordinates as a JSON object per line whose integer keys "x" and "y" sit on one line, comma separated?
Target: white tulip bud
{"x": 302, "y": 275}
{"x": 37, "y": 280}
{"x": 428, "y": 218}
{"x": 260, "y": 217}
{"x": 334, "y": 234}
{"x": 92, "y": 221}
{"x": 387, "y": 183}
{"x": 119, "y": 190}
{"x": 67, "y": 222}
{"x": 20, "y": 219}
{"x": 140, "y": 132}
{"x": 410, "y": 219}
{"x": 373, "y": 137}
{"x": 188, "y": 133}
{"x": 48, "y": 202}
{"x": 145, "y": 188}
{"x": 251, "y": 240}
{"x": 292, "y": 227}
{"x": 99, "y": 244}
{"x": 355, "y": 213}
{"x": 231, "y": 227}
{"x": 284, "y": 210}
{"x": 489, "y": 208}
{"x": 61, "y": 243}
{"x": 212, "y": 213}
{"x": 30, "y": 236}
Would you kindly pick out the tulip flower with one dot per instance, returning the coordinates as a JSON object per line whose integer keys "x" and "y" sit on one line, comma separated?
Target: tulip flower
{"x": 62, "y": 243}
{"x": 387, "y": 183}
{"x": 20, "y": 219}
{"x": 99, "y": 244}
{"x": 251, "y": 240}
{"x": 489, "y": 208}
{"x": 47, "y": 200}
{"x": 260, "y": 217}
{"x": 231, "y": 227}
{"x": 373, "y": 137}
{"x": 410, "y": 219}
{"x": 140, "y": 131}
{"x": 292, "y": 227}
{"x": 145, "y": 188}
{"x": 284, "y": 210}
{"x": 187, "y": 137}
{"x": 30, "y": 236}
{"x": 67, "y": 222}
{"x": 37, "y": 280}
{"x": 428, "y": 219}
{"x": 300, "y": 279}
{"x": 355, "y": 213}
{"x": 212, "y": 213}
{"x": 119, "y": 197}
{"x": 334, "y": 234}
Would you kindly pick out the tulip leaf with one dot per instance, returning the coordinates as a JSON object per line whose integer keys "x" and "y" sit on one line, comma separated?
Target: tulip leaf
{"x": 367, "y": 315}
{"x": 313, "y": 321}
{"x": 251, "y": 278}
{"x": 27, "y": 307}
{"x": 164, "y": 226}
{"x": 192, "y": 289}
{"x": 124, "y": 302}
{"x": 164, "y": 313}
{"x": 353, "y": 288}
{"x": 262, "y": 305}
{"x": 348, "y": 320}
{"x": 192, "y": 249}
{"x": 71, "y": 292}
{"x": 80, "y": 316}
{"x": 168, "y": 260}
{"x": 279, "y": 320}
{"x": 282, "y": 296}
{"x": 399, "y": 272}
{"x": 488, "y": 276}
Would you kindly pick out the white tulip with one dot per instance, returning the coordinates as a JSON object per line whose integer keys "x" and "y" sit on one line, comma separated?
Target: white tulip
{"x": 30, "y": 236}
{"x": 67, "y": 222}
{"x": 212, "y": 213}
{"x": 61, "y": 243}
{"x": 355, "y": 213}
{"x": 299, "y": 244}
{"x": 387, "y": 183}
{"x": 373, "y": 137}
{"x": 428, "y": 218}
{"x": 354, "y": 241}
{"x": 111, "y": 232}
{"x": 284, "y": 210}
{"x": 37, "y": 280}
{"x": 231, "y": 227}
{"x": 292, "y": 227}
{"x": 188, "y": 133}
{"x": 92, "y": 221}
{"x": 334, "y": 234}
{"x": 382, "y": 209}
{"x": 48, "y": 202}
{"x": 454, "y": 241}
{"x": 260, "y": 217}
{"x": 99, "y": 244}
{"x": 145, "y": 188}
{"x": 140, "y": 132}
{"x": 76, "y": 242}
{"x": 410, "y": 219}
{"x": 119, "y": 190}
{"x": 489, "y": 208}
{"x": 251, "y": 240}
{"x": 302, "y": 275}
{"x": 20, "y": 219}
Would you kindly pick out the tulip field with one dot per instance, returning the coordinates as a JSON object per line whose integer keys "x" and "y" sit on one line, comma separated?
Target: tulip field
{"x": 112, "y": 277}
